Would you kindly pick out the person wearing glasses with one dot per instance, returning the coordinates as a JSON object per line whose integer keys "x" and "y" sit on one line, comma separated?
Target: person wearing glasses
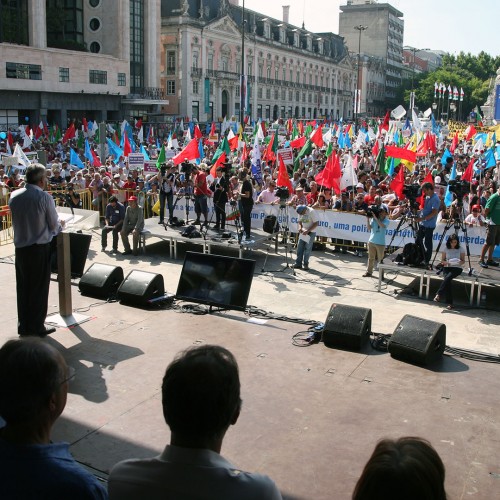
{"x": 34, "y": 382}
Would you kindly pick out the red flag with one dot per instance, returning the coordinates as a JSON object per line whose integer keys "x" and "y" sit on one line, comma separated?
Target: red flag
{"x": 300, "y": 126}
{"x": 428, "y": 178}
{"x": 330, "y": 176}
{"x": 375, "y": 149}
{"x": 403, "y": 153}
{"x": 85, "y": 124}
{"x": 97, "y": 161}
{"x": 244, "y": 153}
{"x": 10, "y": 138}
{"x": 454, "y": 142}
{"x": 283, "y": 177}
{"x": 221, "y": 159}
{"x": 268, "y": 154}
{"x": 422, "y": 149}
{"x": 471, "y": 132}
{"x": 317, "y": 137}
{"x": 233, "y": 143}
{"x": 69, "y": 134}
{"x": 197, "y": 132}
{"x": 298, "y": 143}
{"x": 469, "y": 171}
{"x": 138, "y": 124}
{"x": 385, "y": 123}
{"x": 191, "y": 152}
{"x": 397, "y": 184}
{"x": 127, "y": 149}
{"x": 213, "y": 130}
{"x": 39, "y": 131}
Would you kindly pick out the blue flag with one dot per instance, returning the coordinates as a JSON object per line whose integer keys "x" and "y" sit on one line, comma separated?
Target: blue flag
{"x": 74, "y": 159}
{"x": 88, "y": 153}
{"x": 347, "y": 141}
{"x": 448, "y": 197}
{"x": 489, "y": 159}
{"x": 391, "y": 168}
{"x": 201, "y": 151}
{"x": 446, "y": 154}
{"x": 115, "y": 150}
{"x": 144, "y": 152}
{"x": 435, "y": 128}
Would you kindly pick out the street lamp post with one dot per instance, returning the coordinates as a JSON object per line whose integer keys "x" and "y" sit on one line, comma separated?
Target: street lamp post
{"x": 243, "y": 85}
{"x": 413, "y": 50}
{"x": 357, "y": 95}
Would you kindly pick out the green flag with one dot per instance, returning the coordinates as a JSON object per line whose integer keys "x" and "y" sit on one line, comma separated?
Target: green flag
{"x": 58, "y": 136}
{"x": 80, "y": 142}
{"x": 223, "y": 148}
{"x": 161, "y": 157}
{"x": 307, "y": 148}
{"x": 329, "y": 150}
{"x": 381, "y": 160}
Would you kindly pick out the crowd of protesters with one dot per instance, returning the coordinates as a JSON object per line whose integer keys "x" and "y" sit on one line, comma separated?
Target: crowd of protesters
{"x": 368, "y": 184}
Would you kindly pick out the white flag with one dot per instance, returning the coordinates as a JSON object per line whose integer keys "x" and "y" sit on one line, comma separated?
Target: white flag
{"x": 416, "y": 122}
{"x": 140, "y": 135}
{"x": 19, "y": 154}
{"x": 349, "y": 177}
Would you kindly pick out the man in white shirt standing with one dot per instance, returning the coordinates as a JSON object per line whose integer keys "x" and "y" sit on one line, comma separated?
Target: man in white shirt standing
{"x": 308, "y": 222}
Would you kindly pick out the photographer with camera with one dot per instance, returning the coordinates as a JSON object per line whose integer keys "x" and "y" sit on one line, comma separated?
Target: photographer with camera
{"x": 427, "y": 220}
{"x": 166, "y": 181}
{"x": 219, "y": 188}
{"x": 377, "y": 222}
{"x": 72, "y": 198}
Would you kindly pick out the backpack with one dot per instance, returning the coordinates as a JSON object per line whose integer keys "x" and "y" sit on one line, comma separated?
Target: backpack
{"x": 190, "y": 232}
{"x": 412, "y": 255}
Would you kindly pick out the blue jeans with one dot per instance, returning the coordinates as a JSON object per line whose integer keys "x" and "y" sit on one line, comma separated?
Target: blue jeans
{"x": 445, "y": 289}
{"x": 424, "y": 240}
{"x": 304, "y": 250}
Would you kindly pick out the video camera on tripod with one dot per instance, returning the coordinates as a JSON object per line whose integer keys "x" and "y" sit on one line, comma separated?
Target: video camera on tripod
{"x": 412, "y": 192}
{"x": 283, "y": 193}
{"x": 459, "y": 188}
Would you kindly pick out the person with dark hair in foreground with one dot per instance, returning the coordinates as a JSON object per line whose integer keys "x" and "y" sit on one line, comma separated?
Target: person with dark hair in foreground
{"x": 407, "y": 468}
{"x": 201, "y": 399}
{"x": 33, "y": 389}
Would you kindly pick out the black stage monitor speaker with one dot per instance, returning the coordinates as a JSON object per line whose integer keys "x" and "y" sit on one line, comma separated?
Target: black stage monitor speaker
{"x": 101, "y": 280}
{"x": 416, "y": 340}
{"x": 139, "y": 287}
{"x": 347, "y": 326}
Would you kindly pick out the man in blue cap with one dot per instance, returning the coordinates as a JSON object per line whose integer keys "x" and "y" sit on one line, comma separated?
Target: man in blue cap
{"x": 308, "y": 222}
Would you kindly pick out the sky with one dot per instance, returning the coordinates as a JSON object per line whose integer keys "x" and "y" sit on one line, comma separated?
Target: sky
{"x": 449, "y": 25}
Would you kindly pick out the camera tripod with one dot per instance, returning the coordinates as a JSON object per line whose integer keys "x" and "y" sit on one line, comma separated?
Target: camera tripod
{"x": 407, "y": 221}
{"x": 184, "y": 192}
{"x": 457, "y": 223}
{"x": 281, "y": 232}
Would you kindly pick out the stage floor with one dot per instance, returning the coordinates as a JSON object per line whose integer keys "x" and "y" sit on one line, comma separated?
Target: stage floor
{"x": 312, "y": 415}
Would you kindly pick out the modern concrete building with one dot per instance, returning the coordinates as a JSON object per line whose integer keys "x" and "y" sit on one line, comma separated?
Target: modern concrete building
{"x": 382, "y": 38}
{"x": 64, "y": 60}
{"x": 291, "y": 72}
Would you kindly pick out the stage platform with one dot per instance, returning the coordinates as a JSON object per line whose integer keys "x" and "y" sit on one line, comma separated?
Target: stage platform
{"x": 311, "y": 416}
{"x": 211, "y": 238}
{"x": 476, "y": 279}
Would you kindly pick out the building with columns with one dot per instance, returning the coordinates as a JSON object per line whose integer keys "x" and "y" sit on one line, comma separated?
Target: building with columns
{"x": 291, "y": 72}
{"x": 64, "y": 60}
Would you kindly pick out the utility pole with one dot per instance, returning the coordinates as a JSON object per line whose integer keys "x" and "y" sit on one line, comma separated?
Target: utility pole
{"x": 243, "y": 83}
{"x": 357, "y": 95}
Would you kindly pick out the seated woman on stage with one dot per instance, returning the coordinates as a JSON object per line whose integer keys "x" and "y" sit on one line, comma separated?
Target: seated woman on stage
{"x": 453, "y": 259}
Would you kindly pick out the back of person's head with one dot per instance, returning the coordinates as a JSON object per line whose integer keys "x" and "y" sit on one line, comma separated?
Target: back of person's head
{"x": 408, "y": 468}
{"x": 201, "y": 392}
{"x": 35, "y": 173}
{"x": 31, "y": 371}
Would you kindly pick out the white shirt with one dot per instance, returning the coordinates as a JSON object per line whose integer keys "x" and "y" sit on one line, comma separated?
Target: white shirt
{"x": 187, "y": 474}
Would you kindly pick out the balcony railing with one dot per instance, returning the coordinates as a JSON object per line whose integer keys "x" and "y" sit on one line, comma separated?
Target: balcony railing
{"x": 196, "y": 72}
